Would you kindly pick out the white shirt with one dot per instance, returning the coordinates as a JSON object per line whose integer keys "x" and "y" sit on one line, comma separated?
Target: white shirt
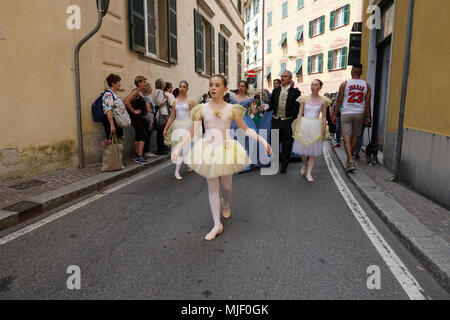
{"x": 355, "y": 97}
{"x": 158, "y": 98}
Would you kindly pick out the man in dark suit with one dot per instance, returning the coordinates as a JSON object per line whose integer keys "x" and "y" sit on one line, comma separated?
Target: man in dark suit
{"x": 285, "y": 109}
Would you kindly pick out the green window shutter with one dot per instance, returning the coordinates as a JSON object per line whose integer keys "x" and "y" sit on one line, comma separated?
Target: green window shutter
{"x": 172, "y": 26}
{"x": 332, "y": 16}
{"x": 309, "y": 65}
{"x": 347, "y": 14}
{"x": 321, "y": 62}
{"x": 344, "y": 57}
{"x": 310, "y": 29}
{"x": 198, "y": 41}
{"x": 239, "y": 56}
{"x": 269, "y": 71}
{"x": 300, "y": 3}
{"x": 299, "y": 35}
{"x": 269, "y": 18}
{"x": 330, "y": 60}
{"x": 226, "y": 55}
{"x": 285, "y": 9}
{"x": 213, "y": 49}
{"x": 322, "y": 24}
{"x": 269, "y": 45}
{"x": 151, "y": 26}
{"x": 137, "y": 25}
{"x": 221, "y": 55}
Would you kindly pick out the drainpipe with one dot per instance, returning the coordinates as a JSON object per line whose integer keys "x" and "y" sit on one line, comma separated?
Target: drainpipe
{"x": 406, "y": 65}
{"x": 101, "y": 13}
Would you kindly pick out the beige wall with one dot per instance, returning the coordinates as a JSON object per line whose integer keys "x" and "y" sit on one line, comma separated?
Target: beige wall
{"x": 37, "y": 66}
{"x": 330, "y": 40}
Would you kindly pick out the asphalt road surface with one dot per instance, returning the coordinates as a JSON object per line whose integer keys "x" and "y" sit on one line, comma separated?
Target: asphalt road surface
{"x": 286, "y": 239}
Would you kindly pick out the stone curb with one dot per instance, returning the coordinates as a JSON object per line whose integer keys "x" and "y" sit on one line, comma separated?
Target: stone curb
{"x": 46, "y": 201}
{"x": 429, "y": 248}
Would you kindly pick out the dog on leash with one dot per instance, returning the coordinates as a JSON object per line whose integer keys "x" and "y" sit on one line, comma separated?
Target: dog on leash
{"x": 371, "y": 153}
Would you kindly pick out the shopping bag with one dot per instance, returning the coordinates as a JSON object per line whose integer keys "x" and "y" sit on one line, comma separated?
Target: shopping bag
{"x": 112, "y": 156}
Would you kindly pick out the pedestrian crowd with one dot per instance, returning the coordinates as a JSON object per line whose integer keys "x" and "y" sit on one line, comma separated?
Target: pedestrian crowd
{"x": 199, "y": 133}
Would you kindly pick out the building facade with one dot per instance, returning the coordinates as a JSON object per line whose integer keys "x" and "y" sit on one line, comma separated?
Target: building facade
{"x": 170, "y": 39}
{"x": 309, "y": 38}
{"x": 411, "y": 119}
{"x": 253, "y": 53}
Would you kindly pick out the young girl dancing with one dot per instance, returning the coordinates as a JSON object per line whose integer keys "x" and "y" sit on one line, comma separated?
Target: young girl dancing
{"x": 179, "y": 119}
{"x": 217, "y": 156}
{"x": 309, "y": 130}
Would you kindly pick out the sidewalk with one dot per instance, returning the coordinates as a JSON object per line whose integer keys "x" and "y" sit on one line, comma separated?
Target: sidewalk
{"x": 422, "y": 225}
{"x": 24, "y": 199}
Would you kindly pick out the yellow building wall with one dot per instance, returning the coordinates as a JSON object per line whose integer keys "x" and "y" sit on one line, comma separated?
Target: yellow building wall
{"x": 427, "y": 107}
{"x": 37, "y": 86}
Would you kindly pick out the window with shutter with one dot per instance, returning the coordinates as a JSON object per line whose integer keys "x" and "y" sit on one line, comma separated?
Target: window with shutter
{"x": 285, "y": 10}
{"x": 137, "y": 25}
{"x": 309, "y": 64}
{"x": 198, "y": 43}
{"x": 269, "y": 19}
{"x": 347, "y": 14}
{"x": 173, "y": 35}
{"x": 330, "y": 60}
{"x": 213, "y": 50}
{"x": 300, "y": 4}
{"x": 311, "y": 31}
{"x": 269, "y": 45}
{"x": 332, "y": 20}
{"x": 344, "y": 57}
{"x": 226, "y": 55}
{"x": 221, "y": 55}
{"x": 320, "y": 62}
{"x": 322, "y": 24}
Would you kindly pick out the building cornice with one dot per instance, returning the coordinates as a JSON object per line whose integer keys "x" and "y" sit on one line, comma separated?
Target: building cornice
{"x": 225, "y": 11}
{"x": 203, "y": 5}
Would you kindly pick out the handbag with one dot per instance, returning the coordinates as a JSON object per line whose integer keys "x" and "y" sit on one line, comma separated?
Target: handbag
{"x": 112, "y": 156}
{"x": 121, "y": 115}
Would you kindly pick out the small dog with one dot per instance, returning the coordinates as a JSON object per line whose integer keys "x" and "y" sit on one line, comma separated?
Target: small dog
{"x": 371, "y": 153}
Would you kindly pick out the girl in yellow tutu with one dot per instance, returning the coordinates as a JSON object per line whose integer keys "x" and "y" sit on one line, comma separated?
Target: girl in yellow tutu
{"x": 179, "y": 119}
{"x": 217, "y": 156}
{"x": 309, "y": 131}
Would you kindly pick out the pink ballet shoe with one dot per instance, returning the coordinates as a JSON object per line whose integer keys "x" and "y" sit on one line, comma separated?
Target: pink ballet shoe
{"x": 310, "y": 179}
{"x": 226, "y": 212}
{"x": 212, "y": 235}
{"x": 178, "y": 177}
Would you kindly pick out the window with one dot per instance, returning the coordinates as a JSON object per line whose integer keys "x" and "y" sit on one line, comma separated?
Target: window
{"x": 269, "y": 45}
{"x": 315, "y": 63}
{"x": 283, "y": 42}
{"x": 340, "y": 17}
{"x": 204, "y": 45}
{"x": 256, "y": 7}
{"x": 283, "y": 68}
{"x": 248, "y": 33}
{"x": 239, "y": 5}
{"x": 153, "y": 28}
{"x": 317, "y": 27}
{"x": 300, "y": 4}
{"x": 298, "y": 71}
{"x": 255, "y": 56}
{"x": 268, "y": 74}
{"x": 299, "y": 36}
{"x": 285, "y": 10}
{"x": 256, "y": 26}
{"x": 269, "y": 18}
{"x": 239, "y": 55}
{"x": 223, "y": 55}
{"x": 247, "y": 60}
{"x": 337, "y": 59}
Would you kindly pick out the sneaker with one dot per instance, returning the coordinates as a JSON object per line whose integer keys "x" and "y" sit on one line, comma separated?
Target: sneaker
{"x": 350, "y": 167}
{"x": 337, "y": 145}
{"x": 141, "y": 160}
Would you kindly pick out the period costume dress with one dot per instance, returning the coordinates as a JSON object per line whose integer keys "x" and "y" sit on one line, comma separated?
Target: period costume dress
{"x": 308, "y": 136}
{"x": 216, "y": 153}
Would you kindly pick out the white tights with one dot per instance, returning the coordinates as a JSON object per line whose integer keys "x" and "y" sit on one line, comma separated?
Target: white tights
{"x": 214, "y": 185}
{"x": 179, "y": 163}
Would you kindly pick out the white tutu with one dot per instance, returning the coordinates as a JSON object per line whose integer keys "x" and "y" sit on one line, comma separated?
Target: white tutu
{"x": 308, "y": 137}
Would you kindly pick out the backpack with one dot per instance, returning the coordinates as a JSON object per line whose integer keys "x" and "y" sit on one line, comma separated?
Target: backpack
{"x": 97, "y": 108}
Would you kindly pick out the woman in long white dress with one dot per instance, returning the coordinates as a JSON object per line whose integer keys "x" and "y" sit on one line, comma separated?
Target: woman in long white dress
{"x": 309, "y": 130}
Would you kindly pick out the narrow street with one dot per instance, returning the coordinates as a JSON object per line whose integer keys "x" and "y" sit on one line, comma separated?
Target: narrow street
{"x": 286, "y": 239}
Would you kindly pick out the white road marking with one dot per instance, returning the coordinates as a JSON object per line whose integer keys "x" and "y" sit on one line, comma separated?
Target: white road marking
{"x": 398, "y": 269}
{"x": 79, "y": 205}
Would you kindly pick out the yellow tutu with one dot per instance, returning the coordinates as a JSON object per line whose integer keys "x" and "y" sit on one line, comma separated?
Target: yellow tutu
{"x": 309, "y": 131}
{"x": 176, "y": 124}
{"x": 223, "y": 160}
